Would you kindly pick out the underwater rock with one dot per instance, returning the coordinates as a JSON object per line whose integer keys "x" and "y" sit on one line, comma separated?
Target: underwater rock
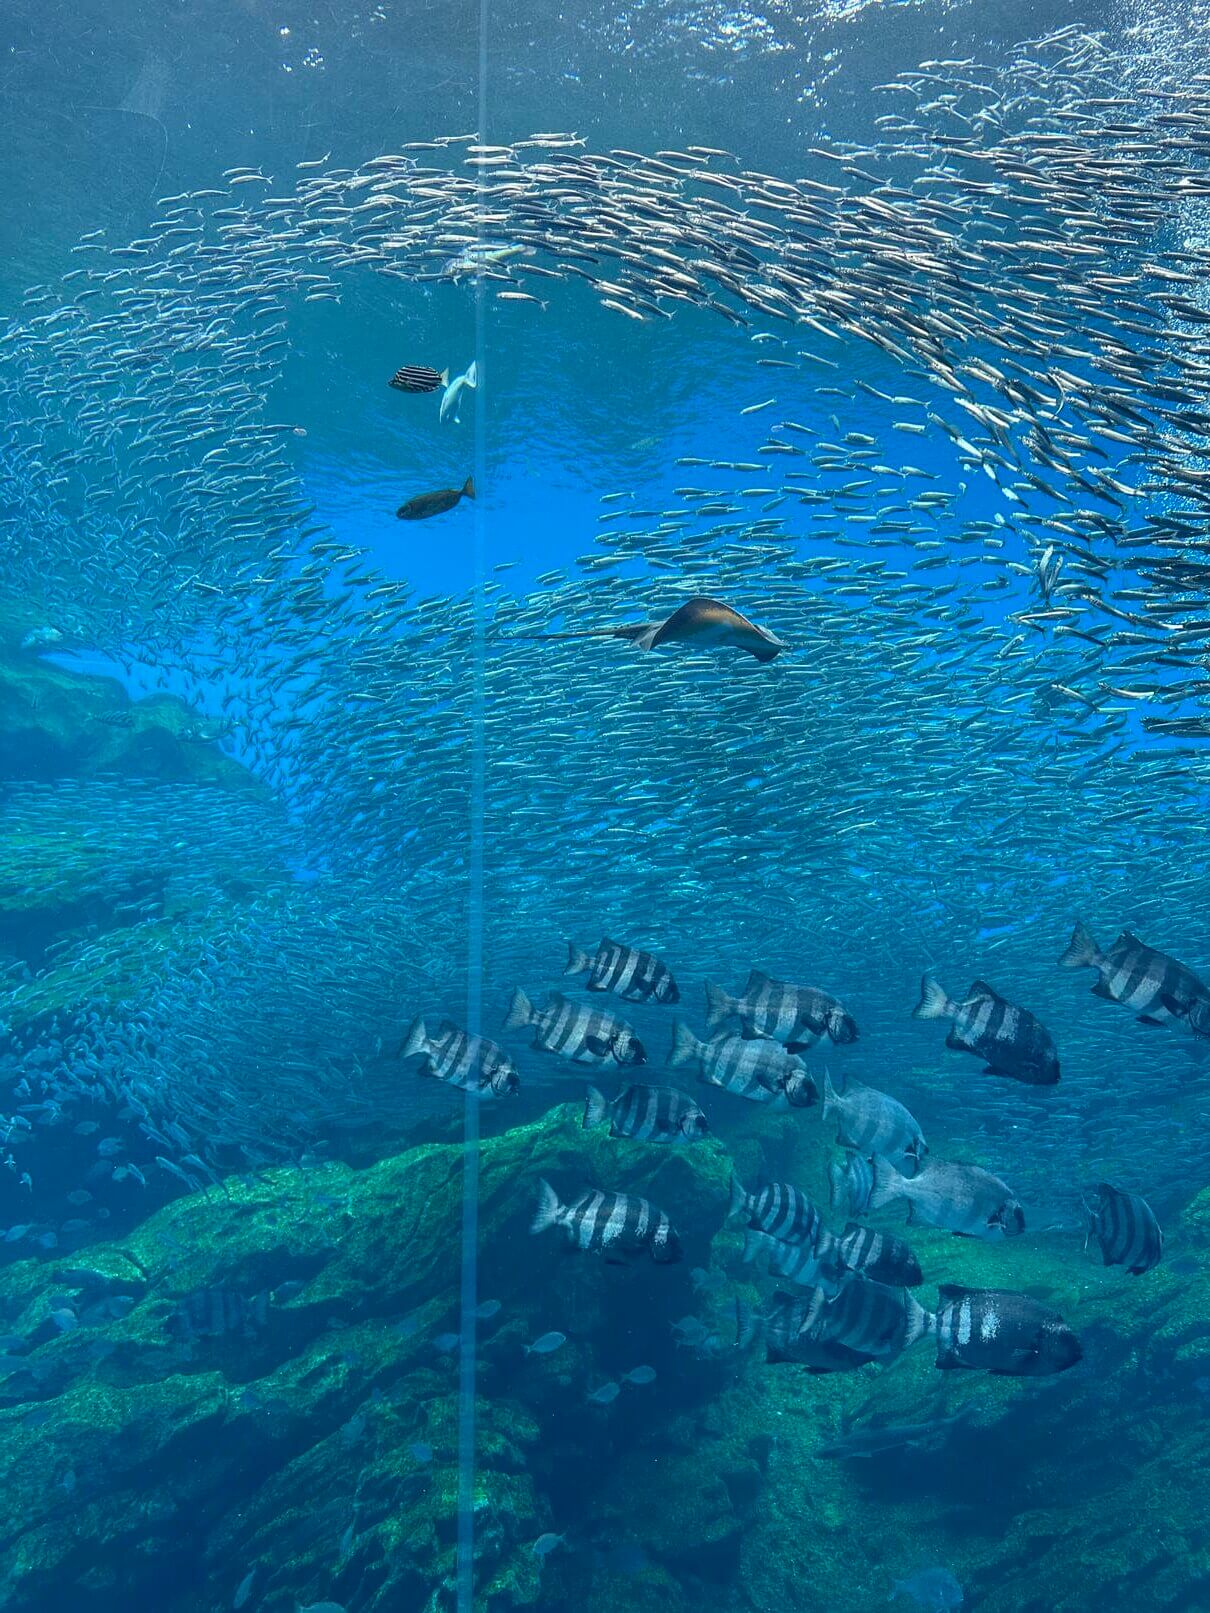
{"x": 314, "y": 1436}
{"x": 56, "y": 723}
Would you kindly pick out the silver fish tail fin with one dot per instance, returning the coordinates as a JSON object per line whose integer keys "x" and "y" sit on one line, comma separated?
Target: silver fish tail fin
{"x": 739, "y": 1202}
{"x": 596, "y": 1108}
{"x": 829, "y": 1095}
{"x": 520, "y": 1011}
{"x": 415, "y": 1041}
{"x": 888, "y": 1184}
{"x": 719, "y": 1005}
{"x": 934, "y": 1002}
{"x": 578, "y": 963}
{"x": 548, "y": 1210}
{"x": 1082, "y": 951}
{"x": 686, "y": 1049}
{"x": 748, "y": 1325}
{"x": 756, "y": 1245}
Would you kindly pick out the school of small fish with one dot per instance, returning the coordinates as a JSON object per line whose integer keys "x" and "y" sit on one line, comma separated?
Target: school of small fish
{"x": 886, "y": 720}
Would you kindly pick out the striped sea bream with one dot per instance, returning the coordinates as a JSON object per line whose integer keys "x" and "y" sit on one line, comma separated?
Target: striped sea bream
{"x": 795, "y": 1015}
{"x": 462, "y": 1060}
{"x": 1009, "y": 1039}
{"x": 648, "y": 1114}
{"x": 619, "y": 1226}
{"x": 636, "y": 977}
{"x": 1158, "y": 988}
{"x": 575, "y": 1031}
{"x": 752, "y": 1068}
{"x": 1126, "y": 1228}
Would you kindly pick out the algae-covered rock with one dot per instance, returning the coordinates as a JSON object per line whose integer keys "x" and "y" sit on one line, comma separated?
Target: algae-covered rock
{"x": 264, "y": 1379}
{"x": 263, "y": 1375}
{"x": 59, "y": 723}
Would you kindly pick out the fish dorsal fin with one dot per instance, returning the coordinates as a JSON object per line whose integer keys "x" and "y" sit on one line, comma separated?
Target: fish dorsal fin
{"x": 756, "y": 980}
{"x": 980, "y": 988}
{"x": 1127, "y": 939}
{"x": 955, "y": 1290}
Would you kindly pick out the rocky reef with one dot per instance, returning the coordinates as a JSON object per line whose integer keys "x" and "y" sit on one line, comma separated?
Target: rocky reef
{"x": 262, "y": 1380}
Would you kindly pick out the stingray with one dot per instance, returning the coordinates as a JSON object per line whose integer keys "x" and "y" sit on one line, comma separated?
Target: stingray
{"x": 145, "y": 101}
{"x": 699, "y": 621}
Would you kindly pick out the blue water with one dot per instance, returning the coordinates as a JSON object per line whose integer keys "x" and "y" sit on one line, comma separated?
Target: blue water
{"x": 281, "y": 775}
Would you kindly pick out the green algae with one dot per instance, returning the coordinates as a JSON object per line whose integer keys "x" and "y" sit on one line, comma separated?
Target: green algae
{"x": 133, "y": 1458}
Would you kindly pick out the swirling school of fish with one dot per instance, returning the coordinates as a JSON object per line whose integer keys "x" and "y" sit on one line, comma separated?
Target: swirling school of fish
{"x": 857, "y": 1306}
{"x": 1010, "y": 268}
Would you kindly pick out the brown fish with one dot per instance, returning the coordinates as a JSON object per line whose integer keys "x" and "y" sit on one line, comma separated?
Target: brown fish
{"x": 426, "y": 504}
{"x": 700, "y": 622}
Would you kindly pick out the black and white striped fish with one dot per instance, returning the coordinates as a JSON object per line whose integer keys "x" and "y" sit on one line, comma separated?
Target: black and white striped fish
{"x": 418, "y": 378}
{"x": 576, "y": 1032}
{"x": 1010, "y": 1040}
{"x": 1007, "y": 1334}
{"x": 783, "y": 1211}
{"x": 619, "y": 1226}
{"x": 862, "y": 1321}
{"x": 454, "y": 1056}
{"x": 788, "y": 1325}
{"x": 648, "y": 1114}
{"x": 1159, "y": 989}
{"x": 879, "y": 1256}
{"x": 1126, "y": 1228}
{"x": 874, "y": 1319}
{"x": 816, "y": 1265}
{"x": 873, "y": 1123}
{"x": 636, "y": 977}
{"x": 209, "y": 1313}
{"x": 795, "y": 1015}
{"x": 850, "y": 1184}
{"x": 759, "y": 1070}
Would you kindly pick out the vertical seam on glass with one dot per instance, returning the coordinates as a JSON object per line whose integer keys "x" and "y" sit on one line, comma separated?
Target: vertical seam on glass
{"x": 474, "y": 921}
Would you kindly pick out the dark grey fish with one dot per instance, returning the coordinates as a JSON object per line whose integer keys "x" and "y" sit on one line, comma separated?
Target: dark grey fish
{"x": 795, "y": 1015}
{"x": 636, "y": 977}
{"x": 454, "y": 1056}
{"x": 648, "y": 1114}
{"x": 1126, "y": 1228}
{"x": 576, "y": 1032}
{"x": 1010, "y": 1335}
{"x": 619, "y": 1226}
{"x": 424, "y": 505}
{"x": 1159, "y": 989}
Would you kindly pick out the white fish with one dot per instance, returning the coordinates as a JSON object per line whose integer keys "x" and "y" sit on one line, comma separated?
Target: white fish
{"x": 451, "y": 398}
